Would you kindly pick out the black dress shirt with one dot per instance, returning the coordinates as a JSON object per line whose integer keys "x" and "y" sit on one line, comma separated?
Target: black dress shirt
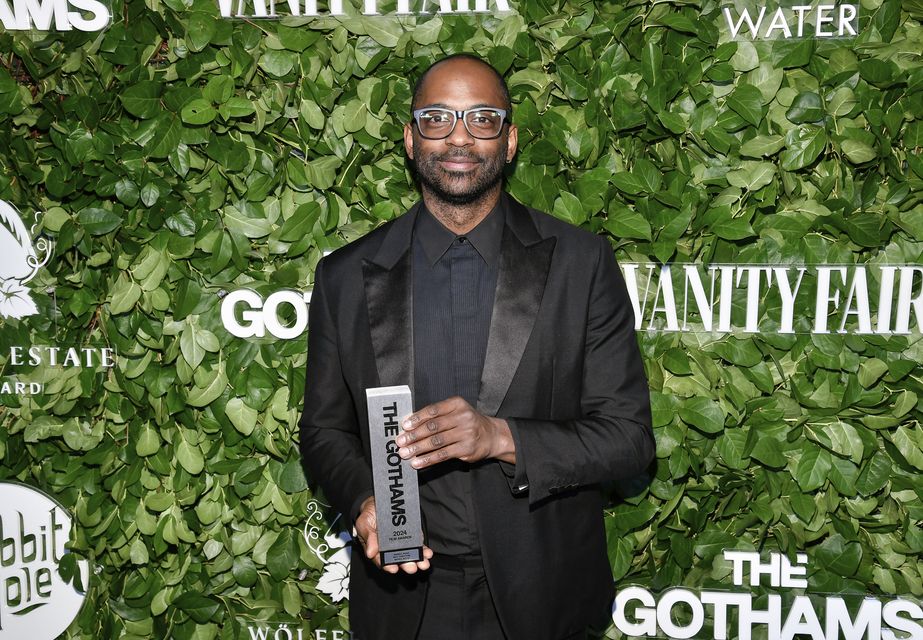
{"x": 454, "y": 281}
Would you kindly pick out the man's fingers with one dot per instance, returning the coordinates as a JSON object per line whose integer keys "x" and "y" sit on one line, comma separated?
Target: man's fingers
{"x": 408, "y": 567}
{"x": 370, "y": 547}
{"x": 413, "y": 567}
{"x": 427, "y": 443}
{"x": 371, "y": 520}
{"x": 427, "y": 428}
{"x": 430, "y": 458}
{"x": 431, "y": 412}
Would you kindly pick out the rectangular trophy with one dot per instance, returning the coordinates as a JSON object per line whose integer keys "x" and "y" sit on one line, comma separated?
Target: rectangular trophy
{"x": 397, "y": 495}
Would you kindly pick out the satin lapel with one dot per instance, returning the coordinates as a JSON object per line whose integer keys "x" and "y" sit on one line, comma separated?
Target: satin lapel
{"x": 520, "y": 286}
{"x": 388, "y": 297}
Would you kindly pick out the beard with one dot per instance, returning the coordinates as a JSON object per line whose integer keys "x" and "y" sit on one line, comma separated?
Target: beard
{"x": 459, "y": 188}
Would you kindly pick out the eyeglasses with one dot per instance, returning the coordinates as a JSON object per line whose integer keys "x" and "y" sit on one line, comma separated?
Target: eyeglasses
{"x": 483, "y": 123}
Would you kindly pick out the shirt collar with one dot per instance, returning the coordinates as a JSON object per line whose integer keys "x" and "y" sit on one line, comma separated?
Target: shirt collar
{"x": 485, "y": 237}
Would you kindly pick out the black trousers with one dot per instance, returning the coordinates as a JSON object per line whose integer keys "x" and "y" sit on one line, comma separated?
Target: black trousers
{"x": 458, "y": 602}
{"x": 459, "y": 605}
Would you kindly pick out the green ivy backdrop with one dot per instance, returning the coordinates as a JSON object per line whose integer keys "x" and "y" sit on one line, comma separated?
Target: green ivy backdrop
{"x": 178, "y": 156}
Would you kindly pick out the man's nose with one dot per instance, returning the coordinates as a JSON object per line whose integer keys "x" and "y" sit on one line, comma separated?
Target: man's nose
{"x": 460, "y": 136}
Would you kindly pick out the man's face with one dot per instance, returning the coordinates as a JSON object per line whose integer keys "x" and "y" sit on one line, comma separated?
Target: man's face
{"x": 460, "y": 169}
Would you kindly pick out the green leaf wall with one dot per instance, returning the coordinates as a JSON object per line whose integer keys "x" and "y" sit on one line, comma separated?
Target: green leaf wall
{"x": 178, "y": 156}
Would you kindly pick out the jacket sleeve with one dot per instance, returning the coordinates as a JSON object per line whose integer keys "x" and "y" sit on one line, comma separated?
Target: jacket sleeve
{"x": 331, "y": 450}
{"x": 612, "y": 438}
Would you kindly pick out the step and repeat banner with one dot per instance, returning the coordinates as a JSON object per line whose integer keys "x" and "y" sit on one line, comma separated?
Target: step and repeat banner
{"x": 172, "y": 171}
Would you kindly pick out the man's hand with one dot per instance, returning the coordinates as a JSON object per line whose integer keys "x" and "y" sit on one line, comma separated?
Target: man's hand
{"x": 454, "y": 429}
{"x": 366, "y": 532}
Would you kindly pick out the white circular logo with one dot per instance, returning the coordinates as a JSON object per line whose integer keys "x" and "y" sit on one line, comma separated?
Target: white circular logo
{"x": 35, "y": 602}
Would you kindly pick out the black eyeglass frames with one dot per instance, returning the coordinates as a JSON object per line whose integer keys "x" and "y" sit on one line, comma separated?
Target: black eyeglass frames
{"x": 436, "y": 123}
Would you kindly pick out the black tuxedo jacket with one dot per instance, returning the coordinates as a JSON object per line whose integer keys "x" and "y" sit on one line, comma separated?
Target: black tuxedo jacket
{"x": 562, "y": 367}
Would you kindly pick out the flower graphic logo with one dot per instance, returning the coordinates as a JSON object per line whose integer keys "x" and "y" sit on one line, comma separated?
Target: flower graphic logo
{"x": 20, "y": 260}
{"x": 332, "y": 547}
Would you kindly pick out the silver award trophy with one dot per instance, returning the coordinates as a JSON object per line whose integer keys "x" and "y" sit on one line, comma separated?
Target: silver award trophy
{"x": 397, "y": 495}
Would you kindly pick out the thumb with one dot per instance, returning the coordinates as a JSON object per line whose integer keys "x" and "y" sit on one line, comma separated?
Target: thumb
{"x": 371, "y": 519}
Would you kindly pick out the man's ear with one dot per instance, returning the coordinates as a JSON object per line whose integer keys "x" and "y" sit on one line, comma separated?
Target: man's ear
{"x": 408, "y": 140}
{"x": 512, "y": 143}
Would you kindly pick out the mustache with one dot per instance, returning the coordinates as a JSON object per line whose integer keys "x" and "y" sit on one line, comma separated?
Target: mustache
{"x": 458, "y": 156}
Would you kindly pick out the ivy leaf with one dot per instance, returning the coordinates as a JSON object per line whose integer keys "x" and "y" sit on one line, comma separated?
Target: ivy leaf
{"x": 802, "y": 146}
{"x": 219, "y": 89}
{"x": 312, "y": 114}
{"x": 99, "y": 221}
{"x": 200, "y": 29}
{"x": 857, "y": 151}
{"x": 870, "y": 371}
{"x": 198, "y": 112}
{"x": 201, "y": 396}
{"x": 839, "y": 555}
{"x": 300, "y": 223}
{"x": 628, "y": 182}
{"x": 806, "y": 107}
{"x": 731, "y": 446}
{"x": 625, "y": 223}
{"x": 427, "y": 32}
{"x": 241, "y": 416}
{"x": 761, "y": 146}
{"x": 282, "y": 557}
{"x": 630, "y": 516}
{"x": 768, "y": 452}
{"x": 384, "y": 32}
{"x": 125, "y": 294}
{"x": 702, "y": 413}
{"x": 812, "y": 469}
{"x": 291, "y": 599}
{"x": 150, "y": 193}
{"x": 733, "y": 229}
{"x": 138, "y": 553}
{"x": 278, "y": 63}
{"x": 193, "y": 353}
{"x": 148, "y": 442}
{"x": 246, "y": 224}
{"x": 321, "y": 173}
{"x": 738, "y": 351}
{"x": 906, "y": 441}
{"x": 912, "y": 222}
{"x": 289, "y": 476}
{"x": 236, "y": 107}
{"x": 752, "y": 176}
{"x": 244, "y": 571}
{"x": 838, "y": 437}
{"x": 747, "y": 102}
{"x": 189, "y": 457}
{"x": 568, "y": 207}
{"x": 648, "y": 175}
{"x": 200, "y": 608}
{"x": 142, "y": 100}
{"x": 165, "y": 136}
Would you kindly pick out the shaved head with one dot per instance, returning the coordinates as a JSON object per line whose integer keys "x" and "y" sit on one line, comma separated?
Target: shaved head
{"x": 462, "y": 57}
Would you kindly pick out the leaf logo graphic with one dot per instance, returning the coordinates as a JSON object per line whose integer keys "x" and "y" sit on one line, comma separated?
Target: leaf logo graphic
{"x": 333, "y": 549}
{"x": 20, "y": 261}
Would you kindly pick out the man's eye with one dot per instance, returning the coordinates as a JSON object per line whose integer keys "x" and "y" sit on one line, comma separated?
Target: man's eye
{"x": 485, "y": 121}
{"x": 436, "y": 118}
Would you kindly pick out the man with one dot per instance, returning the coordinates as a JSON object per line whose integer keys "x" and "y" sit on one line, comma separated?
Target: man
{"x": 515, "y": 332}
